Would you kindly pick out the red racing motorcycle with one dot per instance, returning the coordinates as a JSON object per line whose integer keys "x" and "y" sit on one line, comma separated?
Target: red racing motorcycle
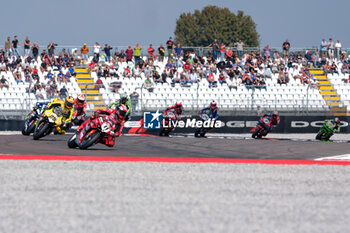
{"x": 89, "y": 134}
{"x": 168, "y": 123}
{"x": 263, "y": 127}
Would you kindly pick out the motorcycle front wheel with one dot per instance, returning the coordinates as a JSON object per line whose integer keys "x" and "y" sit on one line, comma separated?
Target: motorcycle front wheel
{"x": 40, "y": 130}
{"x": 89, "y": 140}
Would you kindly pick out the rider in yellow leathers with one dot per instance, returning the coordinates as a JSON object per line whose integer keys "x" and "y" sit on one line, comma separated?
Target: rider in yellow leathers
{"x": 65, "y": 109}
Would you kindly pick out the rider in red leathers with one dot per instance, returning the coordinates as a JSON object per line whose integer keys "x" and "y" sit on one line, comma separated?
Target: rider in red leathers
{"x": 113, "y": 124}
{"x": 270, "y": 120}
{"x": 79, "y": 110}
{"x": 179, "y": 110}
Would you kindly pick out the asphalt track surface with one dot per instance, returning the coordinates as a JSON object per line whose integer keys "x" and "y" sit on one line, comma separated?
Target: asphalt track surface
{"x": 90, "y": 196}
{"x": 177, "y": 147}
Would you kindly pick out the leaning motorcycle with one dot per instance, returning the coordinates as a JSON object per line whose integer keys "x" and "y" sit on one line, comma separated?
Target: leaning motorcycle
{"x": 259, "y": 130}
{"x": 89, "y": 134}
{"x": 50, "y": 119}
{"x": 324, "y": 133}
{"x": 31, "y": 119}
{"x": 205, "y": 116}
{"x": 167, "y": 124}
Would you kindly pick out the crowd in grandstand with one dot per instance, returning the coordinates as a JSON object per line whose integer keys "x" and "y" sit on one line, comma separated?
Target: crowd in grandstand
{"x": 221, "y": 65}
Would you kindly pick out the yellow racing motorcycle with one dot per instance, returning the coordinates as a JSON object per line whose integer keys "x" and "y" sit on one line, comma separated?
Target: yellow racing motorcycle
{"x": 50, "y": 119}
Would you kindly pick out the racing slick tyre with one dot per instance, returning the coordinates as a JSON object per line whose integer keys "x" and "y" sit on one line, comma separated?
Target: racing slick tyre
{"x": 71, "y": 142}
{"x": 40, "y": 130}
{"x": 89, "y": 140}
{"x": 256, "y": 133}
{"x": 28, "y": 129}
{"x": 319, "y": 135}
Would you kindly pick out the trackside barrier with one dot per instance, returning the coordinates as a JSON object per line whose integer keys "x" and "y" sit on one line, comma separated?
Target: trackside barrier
{"x": 229, "y": 124}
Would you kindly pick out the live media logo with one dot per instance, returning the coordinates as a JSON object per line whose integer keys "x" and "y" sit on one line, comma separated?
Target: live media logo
{"x": 151, "y": 120}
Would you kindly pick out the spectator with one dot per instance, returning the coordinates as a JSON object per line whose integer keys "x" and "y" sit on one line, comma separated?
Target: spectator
{"x": 51, "y": 49}
{"x": 324, "y": 47}
{"x": 222, "y": 52}
{"x": 97, "y": 48}
{"x": 211, "y": 80}
{"x": 35, "y": 50}
{"x": 8, "y": 46}
{"x": 4, "y": 82}
{"x": 334, "y": 69}
{"x": 84, "y": 52}
{"x": 137, "y": 54}
{"x": 107, "y": 49}
{"x": 63, "y": 93}
{"x": 330, "y": 49}
{"x": 282, "y": 78}
{"x": 40, "y": 92}
{"x": 239, "y": 46}
{"x": 99, "y": 84}
{"x": 193, "y": 76}
{"x": 222, "y": 77}
{"x": 157, "y": 78}
{"x": 134, "y": 99}
{"x": 129, "y": 52}
{"x": 229, "y": 55}
{"x": 161, "y": 52}
{"x": 3, "y": 66}
{"x": 127, "y": 72}
{"x": 267, "y": 52}
{"x": 27, "y": 45}
{"x": 150, "y": 51}
{"x": 15, "y": 44}
{"x": 215, "y": 47}
{"x": 338, "y": 49}
{"x": 170, "y": 45}
{"x": 149, "y": 84}
{"x": 286, "y": 47}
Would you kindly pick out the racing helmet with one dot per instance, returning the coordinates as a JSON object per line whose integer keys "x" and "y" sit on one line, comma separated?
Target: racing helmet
{"x": 121, "y": 111}
{"x": 123, "y": 98}
{"x": 69, "y": 102}
{"x": 275, "y": 115}
{"x": 178, "y": 105}
{"x": 81, "y": 99}
{"x": 337, "y": 120}
{"x": 213, "y": 105}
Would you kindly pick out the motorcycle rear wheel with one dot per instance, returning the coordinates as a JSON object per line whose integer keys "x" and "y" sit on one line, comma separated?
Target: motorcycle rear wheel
{"x": 256, "y": 133}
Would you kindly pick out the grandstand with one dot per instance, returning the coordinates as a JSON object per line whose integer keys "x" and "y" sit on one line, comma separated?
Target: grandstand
{"x": 331, "y": 98}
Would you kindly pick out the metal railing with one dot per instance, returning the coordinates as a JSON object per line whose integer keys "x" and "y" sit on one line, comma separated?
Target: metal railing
{"x": 198, "y": 50}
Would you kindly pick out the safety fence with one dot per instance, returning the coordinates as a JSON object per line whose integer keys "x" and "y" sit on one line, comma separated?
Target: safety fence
{"x": 226, "y": 125}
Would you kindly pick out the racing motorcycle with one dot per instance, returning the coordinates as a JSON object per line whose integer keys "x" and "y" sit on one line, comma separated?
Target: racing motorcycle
{"x": 324, "y": 133}
{"x": 31, "y": 119}
{"x": 167, "y": 124}
{"x": 89, "y": 134}
{"x": 259, "y": 130}
{"x": 205, "y": 116}
{"x": 50, "y": 119}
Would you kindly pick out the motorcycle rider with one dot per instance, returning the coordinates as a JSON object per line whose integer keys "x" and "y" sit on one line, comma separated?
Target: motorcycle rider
{"x": 214, "y": 110}
{"x": 125, "y": 100}
{"x": 65, "y": 108}
{"x": 333, "y": 125}
{"x": 114, "y": 123}
{"x": 179, "y": 110}
{"x": 270, "y": 120}
{"x": 80, "y": 106}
